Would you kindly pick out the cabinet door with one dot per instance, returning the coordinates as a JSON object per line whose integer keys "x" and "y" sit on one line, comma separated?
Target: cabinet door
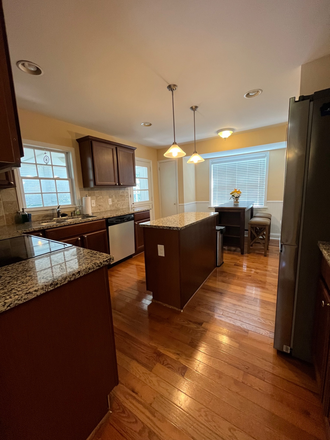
{"x": 75, "y": 241}
{"x": 10, "y": 137}
{"x": 139, "y": 236}
{"x": 7, "y": 179}
{"x": 97, "y": 241}
{"x": 321, "y": 334}
{"x": 126, "y": 166}
{"x": 104, "y": 164}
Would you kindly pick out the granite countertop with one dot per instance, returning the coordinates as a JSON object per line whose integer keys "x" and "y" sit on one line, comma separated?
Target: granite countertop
{"x": 178, "y": 221}
{"x": 16, "y": 230}
{"x": 325, "y": 249}
{"x": 23, "y": 281}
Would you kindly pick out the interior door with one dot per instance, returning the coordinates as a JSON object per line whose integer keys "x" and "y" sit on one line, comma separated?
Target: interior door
{"x": 168, "y": 188}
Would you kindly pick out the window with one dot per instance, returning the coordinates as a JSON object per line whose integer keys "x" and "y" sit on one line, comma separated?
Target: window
{"x": 141, "y": 192}
{"x": 45, "y": 178}
{"x": 247, "y": 172}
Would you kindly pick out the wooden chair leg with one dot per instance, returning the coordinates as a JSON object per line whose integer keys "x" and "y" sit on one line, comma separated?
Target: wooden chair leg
{"x": 266, "y": 241}
{"x": 249, "y": 239}
{"x": 270, "y": 226}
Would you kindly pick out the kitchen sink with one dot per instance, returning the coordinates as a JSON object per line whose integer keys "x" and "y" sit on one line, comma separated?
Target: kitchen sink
{"x": 67, "y": 219}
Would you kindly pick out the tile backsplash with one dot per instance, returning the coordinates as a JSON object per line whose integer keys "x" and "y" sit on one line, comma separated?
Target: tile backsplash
{"x": 118, "y": 196}
{"x": 8, "y": 206}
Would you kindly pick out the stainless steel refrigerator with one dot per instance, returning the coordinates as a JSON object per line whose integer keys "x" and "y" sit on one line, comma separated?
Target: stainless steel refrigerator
{"x": 305, "y": 221}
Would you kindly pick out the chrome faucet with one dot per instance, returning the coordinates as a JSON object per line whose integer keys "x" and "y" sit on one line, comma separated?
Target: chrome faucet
{"x": 58, "y": 211}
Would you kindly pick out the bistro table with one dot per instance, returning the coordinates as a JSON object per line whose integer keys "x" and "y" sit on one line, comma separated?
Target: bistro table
{"x": 234, "y": 217}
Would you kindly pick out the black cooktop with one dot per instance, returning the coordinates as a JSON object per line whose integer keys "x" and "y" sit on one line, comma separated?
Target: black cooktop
{"x": 13, "y": 250}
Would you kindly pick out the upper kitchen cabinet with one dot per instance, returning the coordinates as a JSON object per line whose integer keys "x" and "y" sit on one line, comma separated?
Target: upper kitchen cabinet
{"x": 106, "y": 163}
{"x": 11, "y": 149}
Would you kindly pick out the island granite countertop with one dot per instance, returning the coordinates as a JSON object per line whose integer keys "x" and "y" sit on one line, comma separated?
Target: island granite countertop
{"x": 25, "y": 228}
{"x": 23, "y": 281}
{"x": 178, "y": 221}
{"x": 325, "y": 249}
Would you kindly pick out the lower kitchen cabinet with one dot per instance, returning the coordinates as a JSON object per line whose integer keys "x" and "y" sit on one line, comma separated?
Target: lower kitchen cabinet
{"x": 140, "y": 217}
{"x": 92, "y": 235}
{"x": 321, "y": 341}
{"x": 97, "y": 241}
{"x": 58, "y": 362}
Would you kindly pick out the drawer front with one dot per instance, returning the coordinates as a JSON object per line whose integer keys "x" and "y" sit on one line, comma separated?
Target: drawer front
{"x": 74, "y": 230}
{"x": 325, "y": 272}
{"x": 144, "y": 215}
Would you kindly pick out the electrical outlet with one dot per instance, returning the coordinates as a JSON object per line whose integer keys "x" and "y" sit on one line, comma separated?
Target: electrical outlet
{"x": 161, "y": 250}
{"x": 110, "y": 201}
{"x": 93, "y": 202}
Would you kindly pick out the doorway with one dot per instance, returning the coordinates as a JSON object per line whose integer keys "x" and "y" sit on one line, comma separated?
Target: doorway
{"x": 168, "y": 187}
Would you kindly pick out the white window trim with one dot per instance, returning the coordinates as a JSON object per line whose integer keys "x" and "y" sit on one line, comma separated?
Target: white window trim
{"x": 243, "y": 156}
{"x": 72, "y": 164}
{"x": 150, "y": 204}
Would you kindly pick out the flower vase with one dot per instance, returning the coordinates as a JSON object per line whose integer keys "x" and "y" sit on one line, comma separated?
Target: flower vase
{"x": 236, "y": 200}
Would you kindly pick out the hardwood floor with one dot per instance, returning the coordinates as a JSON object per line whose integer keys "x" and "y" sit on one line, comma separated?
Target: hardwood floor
{"x": 209, "y": 372}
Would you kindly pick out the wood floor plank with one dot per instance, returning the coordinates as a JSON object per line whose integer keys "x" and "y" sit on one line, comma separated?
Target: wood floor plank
{"x": 211, "y": 372}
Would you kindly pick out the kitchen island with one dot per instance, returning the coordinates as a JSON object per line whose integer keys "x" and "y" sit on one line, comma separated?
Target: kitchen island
{"x": 180, "y": 253}
{"x": 58, "y": 360}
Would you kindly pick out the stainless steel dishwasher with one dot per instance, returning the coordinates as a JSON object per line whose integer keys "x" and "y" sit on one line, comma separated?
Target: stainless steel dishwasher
{"x": 121, "y": 236}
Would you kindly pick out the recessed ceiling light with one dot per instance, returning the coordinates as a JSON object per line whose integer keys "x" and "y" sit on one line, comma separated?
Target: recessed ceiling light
{"x": 29, "y": 67}
{"x": 225, "y": 132}
{"x": 146, "y": 124}
{"x": 253, "y": 93}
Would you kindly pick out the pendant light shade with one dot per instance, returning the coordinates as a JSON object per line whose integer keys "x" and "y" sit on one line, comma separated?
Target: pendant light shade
{"x": 174, "y": 151}
{"x": 195, "y": 158}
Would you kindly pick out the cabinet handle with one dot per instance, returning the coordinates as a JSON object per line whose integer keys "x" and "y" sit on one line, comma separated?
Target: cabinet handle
{"x": 11, "y": 183}
{"x": 325, "y": 304}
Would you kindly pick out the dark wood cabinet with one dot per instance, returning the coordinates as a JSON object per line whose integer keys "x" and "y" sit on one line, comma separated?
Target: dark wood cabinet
{"x": 11, "y": 149}
{"x": 75, "y": 241}
{"x": 321, "y": 333}
{"x": 7, "y": 179}
{"x": 140, "y": 217}
{"x": 60, "y": 365}
{"x": 91, "y": 235}
{"x": 321, "y": 340}
{"x": 235, "y": 219}
{"x": 96, "y": 241}
{"x": 106, "y": 163}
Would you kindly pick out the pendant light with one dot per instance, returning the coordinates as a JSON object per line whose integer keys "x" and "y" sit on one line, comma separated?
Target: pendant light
{"x": 174, "y": 151}
{"x": 195, "y": 158}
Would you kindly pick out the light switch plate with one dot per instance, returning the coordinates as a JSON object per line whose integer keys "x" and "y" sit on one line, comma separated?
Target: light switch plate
{"x": 93, "y": 202}
{"x": 161, "y": 250}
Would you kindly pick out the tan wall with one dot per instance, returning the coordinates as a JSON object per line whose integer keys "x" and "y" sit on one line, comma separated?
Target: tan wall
{"x": 244, "y": 139}
{"x": 315, "y": 76}
{"x": 241, "y": 140}
{"x": 41, "y": 128}
{"x": 276, "y": 173}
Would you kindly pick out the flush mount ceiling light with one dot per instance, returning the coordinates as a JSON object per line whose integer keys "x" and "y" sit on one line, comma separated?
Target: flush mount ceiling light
{"x": 29, "y": 67}
{"x": 146, "y": 124}
{"x": 195, "y": 158}
{"x": 225, "y": 132}
{"x": 253, "y": 93}
{"x": 174, "y": 151}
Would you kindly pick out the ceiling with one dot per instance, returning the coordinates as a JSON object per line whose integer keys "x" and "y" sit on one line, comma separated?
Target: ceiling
{"x": 107, "y": 63}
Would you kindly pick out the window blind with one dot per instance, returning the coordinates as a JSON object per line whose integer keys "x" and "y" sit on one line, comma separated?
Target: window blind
{"x": 246, "y": 172}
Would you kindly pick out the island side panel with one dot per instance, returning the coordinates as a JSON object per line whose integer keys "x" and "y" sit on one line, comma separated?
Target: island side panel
{"x": 197, "y": 256}
{"x": 58, "y": 362}
{"x": 162, "y": 273}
